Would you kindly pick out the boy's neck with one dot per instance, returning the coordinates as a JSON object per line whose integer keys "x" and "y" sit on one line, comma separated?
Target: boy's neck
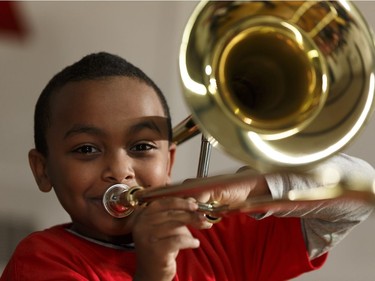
{"x": 124, "y": 240}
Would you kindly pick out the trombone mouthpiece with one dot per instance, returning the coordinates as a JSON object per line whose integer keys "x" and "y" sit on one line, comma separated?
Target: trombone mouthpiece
{"x": 113, "y": 201}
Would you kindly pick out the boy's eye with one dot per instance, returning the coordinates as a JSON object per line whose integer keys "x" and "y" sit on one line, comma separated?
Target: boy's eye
{"x": 86, "y": 149}
{"x": 142, "y": 147}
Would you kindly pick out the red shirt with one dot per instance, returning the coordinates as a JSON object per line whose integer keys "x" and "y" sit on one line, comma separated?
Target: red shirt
{"x": 237, "y": 248}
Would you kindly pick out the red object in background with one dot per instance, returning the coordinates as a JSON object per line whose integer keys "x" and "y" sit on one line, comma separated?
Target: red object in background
{"x": 10, "y": 19}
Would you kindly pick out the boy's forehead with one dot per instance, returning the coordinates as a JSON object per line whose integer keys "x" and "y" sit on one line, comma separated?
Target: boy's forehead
{"x": 105, "y": 104}
{"x": 127, "y": 91}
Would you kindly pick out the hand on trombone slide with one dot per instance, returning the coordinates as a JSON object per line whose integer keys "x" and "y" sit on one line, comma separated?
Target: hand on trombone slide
{"x": 246, "y": 191}
{"x": 120, "y": 200}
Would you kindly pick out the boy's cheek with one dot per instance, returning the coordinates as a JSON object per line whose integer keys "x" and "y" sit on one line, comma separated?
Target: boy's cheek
{"x": 155, "y": 175}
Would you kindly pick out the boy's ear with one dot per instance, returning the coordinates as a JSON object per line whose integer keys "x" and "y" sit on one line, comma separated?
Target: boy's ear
{"x": 171, "y": 157}
{"x": 38, "y": 166}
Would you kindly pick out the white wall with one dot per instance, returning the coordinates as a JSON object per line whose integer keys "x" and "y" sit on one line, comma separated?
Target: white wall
{"x": 147, "y": 34}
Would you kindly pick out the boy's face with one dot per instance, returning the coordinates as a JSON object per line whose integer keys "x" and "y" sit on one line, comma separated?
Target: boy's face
{"x": 103, "y": 132}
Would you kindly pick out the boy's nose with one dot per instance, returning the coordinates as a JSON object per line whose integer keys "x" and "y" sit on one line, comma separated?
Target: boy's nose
{"x": 119, "y": 169}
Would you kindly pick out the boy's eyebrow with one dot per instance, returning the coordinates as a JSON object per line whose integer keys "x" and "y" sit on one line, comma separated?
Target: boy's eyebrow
{"x": 83, "y": 129}
{"x": 145, "y": 124}
{"x": 154, "y": 124}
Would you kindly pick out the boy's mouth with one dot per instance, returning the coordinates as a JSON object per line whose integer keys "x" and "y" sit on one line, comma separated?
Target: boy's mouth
{"x": 97, "y": 201}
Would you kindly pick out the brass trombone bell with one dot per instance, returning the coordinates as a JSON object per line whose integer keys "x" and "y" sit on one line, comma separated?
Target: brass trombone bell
{"x": 277, "y": 84}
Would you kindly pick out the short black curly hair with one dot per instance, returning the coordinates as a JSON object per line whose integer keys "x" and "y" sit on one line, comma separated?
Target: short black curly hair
{"x": 91, "y": 67}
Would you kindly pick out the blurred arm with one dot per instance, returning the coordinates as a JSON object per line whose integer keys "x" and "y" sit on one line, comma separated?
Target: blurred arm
{"x": 326, "y": 223}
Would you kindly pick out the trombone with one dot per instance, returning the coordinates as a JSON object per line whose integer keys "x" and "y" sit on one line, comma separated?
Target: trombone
{"x": 278, "y": 85}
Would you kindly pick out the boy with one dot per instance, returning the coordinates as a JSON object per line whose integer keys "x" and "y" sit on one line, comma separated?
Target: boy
{"x": 102, "y": 121}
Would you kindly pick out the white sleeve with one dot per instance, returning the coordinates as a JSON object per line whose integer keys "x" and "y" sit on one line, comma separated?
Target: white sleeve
{"x": 326, "y": 223}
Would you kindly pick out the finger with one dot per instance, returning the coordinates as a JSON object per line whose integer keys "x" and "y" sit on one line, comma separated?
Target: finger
{"x": 155, "y": 218}
{"x": 194, "y": 220}
{"x": 200, "y": 197}
{"x": 172, "y": 235}
{"x": 203, "y": 197}
{"x": 178, "y": 242}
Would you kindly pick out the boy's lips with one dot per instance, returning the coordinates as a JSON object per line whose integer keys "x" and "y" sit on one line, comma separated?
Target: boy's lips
{"x": 97, "y": 200}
